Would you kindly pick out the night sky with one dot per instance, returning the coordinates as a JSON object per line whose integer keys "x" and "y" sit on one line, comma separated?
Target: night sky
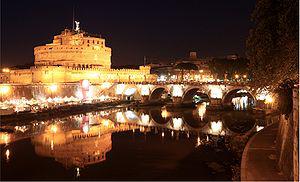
{"x": 132, "y": 28}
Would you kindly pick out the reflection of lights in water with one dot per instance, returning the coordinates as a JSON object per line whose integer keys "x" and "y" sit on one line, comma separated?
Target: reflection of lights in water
{"x": 120, "y": 117}
{"x": 258, "y": 128}
{"x": 145, "y": 90}
{"x": 207, "y": 138}
{"x": 163, "y": 134}
{"x": 7, "y": 154}
{"x": 145, "y": 118}
{"x": 177, "y": 91}
{"x": 177, "y": 123}
{"x": 172, "y": 133}
{"x": 133, "y": 130}
{"x": 77, "y": 172}
{"x": 52, "y": 144}
{"x": 164, "y": 113}
{"x": 129, "y": 91}
{"x": 120, "y": 88}
{"x": 53, "y": 129}
{"x": 202, "y": 109}
{"x": 131, "y": 115}
{"x": 240, "y": 103}
{"x": 216, "y": 127}
{"x": 85, "y": 128}
{"x": 187, "y": 135}
{"x": 142, "y": 129}
{"x": 198, "y": 141}
{"x": 215, "y": 91}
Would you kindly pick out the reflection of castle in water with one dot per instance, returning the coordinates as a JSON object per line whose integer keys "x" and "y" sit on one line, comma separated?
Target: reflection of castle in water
{"x": 88, "y": 141}
{"x": 73, "y": 148}
{"x": 78, "y": 146}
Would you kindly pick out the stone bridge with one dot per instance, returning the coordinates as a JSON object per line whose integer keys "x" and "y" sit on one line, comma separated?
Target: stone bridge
{"x": 181, "y": 92}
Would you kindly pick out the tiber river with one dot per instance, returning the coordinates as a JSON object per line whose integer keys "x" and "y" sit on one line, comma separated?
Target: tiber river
{"x": 129, "y": 144}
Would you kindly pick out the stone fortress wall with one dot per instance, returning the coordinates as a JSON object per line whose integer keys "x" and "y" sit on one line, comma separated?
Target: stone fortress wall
{"x": 63, "y": 74}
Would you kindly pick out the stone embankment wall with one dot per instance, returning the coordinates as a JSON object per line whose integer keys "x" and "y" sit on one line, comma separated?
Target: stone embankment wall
{"x": 288, "y": 140}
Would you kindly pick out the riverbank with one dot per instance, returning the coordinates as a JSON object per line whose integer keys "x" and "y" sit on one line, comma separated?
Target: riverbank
{"x": 259, "y": 161}
{"x": 63, "y": 111}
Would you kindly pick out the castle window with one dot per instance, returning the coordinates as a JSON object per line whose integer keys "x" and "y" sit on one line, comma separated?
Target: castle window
{"x": 88, "y": 41}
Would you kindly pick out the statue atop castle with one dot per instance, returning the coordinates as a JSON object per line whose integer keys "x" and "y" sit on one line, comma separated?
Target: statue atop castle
{"x": 77, "y": 29}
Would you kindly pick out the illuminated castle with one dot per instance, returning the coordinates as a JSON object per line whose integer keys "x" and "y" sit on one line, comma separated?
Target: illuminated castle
{"x": 75, "y": 55}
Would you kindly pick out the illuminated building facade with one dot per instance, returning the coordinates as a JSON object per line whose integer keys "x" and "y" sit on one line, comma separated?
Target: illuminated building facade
{"x": 72, "y": 56}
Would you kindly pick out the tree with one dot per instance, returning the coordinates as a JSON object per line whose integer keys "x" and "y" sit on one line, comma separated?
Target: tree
{"x": 222, "y": 66}
{"x": 272, "y": 45}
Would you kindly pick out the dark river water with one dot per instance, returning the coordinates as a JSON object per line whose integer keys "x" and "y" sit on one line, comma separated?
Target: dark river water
{"x": 128, "y": 144}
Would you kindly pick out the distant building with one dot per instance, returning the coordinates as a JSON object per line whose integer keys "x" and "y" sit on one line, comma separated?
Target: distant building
{"x": 183, "y": 69}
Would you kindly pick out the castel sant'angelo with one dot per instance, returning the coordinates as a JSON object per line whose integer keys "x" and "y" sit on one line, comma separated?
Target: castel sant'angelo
{"x": 74, "y": 55}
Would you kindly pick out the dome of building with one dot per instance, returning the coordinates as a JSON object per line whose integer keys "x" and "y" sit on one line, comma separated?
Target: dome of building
{"x": 186, "y": 66}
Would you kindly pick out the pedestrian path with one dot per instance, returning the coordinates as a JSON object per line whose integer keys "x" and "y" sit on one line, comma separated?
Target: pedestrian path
{"x": 259, "y": 161}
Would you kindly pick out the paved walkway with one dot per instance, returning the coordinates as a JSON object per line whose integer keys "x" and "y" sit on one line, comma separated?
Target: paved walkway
{"x": 259, "y": 161}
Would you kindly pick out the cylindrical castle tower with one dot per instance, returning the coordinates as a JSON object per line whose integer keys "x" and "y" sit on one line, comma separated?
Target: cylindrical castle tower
{"x": 74, "y": 49}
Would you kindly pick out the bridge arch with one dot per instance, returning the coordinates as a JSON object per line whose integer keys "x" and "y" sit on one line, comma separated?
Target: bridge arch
{"x": 189, "y": 94}
{"x": 238, "y": 92}
{"x": 239, "y": 122}
{"x": 159, "y": 117}
{"x": 157, "y": 93}
{"x": 193, "y": 120}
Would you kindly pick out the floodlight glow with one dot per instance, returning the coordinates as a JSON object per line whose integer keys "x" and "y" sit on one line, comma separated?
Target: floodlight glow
{"x": 120, "y": 88}
{"x": 177, "y": 91}
{"x": 215, "y": 91}
{"x": 145, "y": 90}
{"x": 130, "y": 91}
